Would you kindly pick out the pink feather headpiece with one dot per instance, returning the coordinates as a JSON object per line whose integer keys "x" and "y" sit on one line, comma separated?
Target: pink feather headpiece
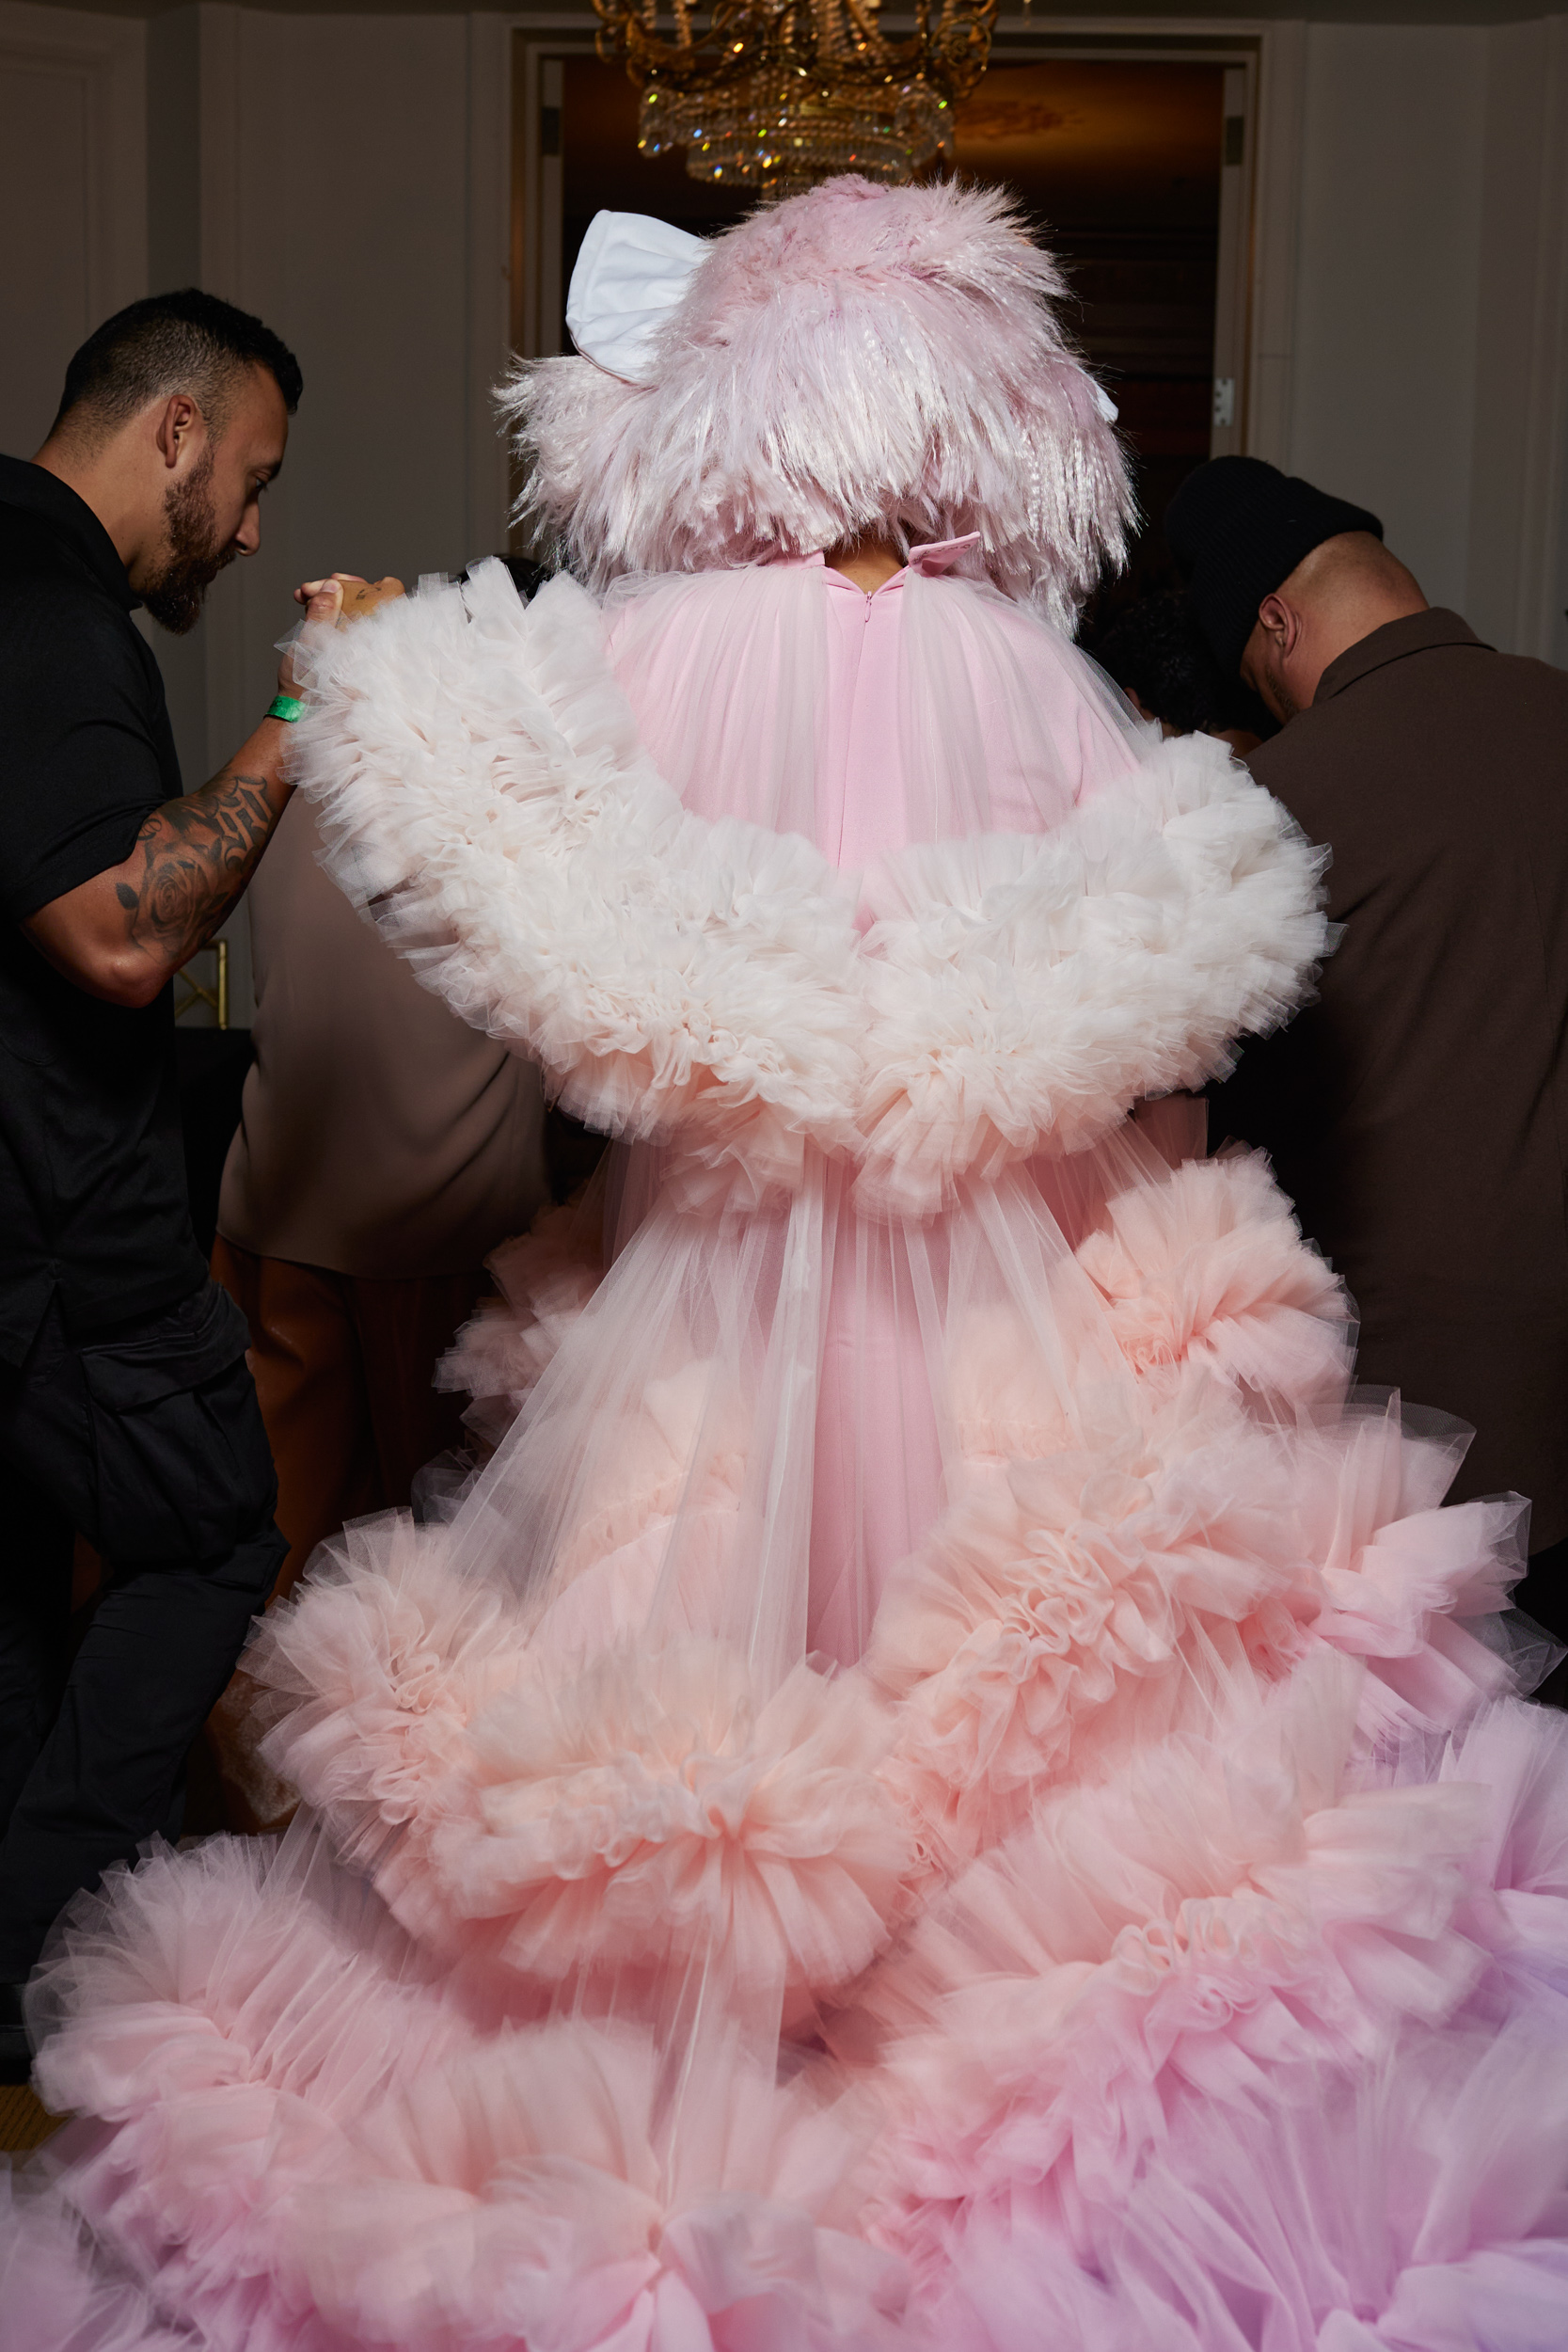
{"x": 859, "y": 359}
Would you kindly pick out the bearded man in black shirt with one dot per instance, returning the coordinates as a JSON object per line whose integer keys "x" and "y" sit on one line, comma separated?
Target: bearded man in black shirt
{"x": 127, "y": 1412}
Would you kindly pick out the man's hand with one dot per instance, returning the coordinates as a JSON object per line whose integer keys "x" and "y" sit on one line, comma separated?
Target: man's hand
{"x": 123, "y": 935}
{"x": 323, "y": 600}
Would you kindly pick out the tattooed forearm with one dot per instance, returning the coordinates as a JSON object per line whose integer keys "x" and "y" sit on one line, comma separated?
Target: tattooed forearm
{"x": 196, "y": 858}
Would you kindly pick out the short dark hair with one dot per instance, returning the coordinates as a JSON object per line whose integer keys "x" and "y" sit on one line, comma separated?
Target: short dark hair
{"x": 187, "y": 342}
{"x": 1156, "y": 649}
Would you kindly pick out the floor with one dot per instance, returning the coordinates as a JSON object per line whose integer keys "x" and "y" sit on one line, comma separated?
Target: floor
{"x": 24, "y": 2122}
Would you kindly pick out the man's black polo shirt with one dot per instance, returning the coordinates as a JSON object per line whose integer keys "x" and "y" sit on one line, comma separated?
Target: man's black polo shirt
{"x": 92, "y": 1175}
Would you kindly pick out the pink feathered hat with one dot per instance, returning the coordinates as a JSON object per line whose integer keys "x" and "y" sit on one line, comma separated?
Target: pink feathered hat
{"x": 860, "y": 358}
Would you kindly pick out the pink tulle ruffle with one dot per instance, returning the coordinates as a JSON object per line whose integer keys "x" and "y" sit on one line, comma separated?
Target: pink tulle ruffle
{"x": 314, "y": 2145}
{"x": 1228, "y": 1918}
{"x": 655, "y": 1807}
{"x": 1210, "y": 1267}
{"x": 546, "y": 1278}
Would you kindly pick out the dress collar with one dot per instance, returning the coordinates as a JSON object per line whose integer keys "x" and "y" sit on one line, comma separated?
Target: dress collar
{"x": 929, "y": 561}
{"x": 940, "y": 555}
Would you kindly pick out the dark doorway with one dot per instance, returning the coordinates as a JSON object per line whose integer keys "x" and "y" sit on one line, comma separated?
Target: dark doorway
{"x": 1117, "y": 164}
{"x": 603, "y": 173}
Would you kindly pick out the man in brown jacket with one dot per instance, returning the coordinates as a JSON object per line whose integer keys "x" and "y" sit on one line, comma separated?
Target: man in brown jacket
{"x": 1417, "y": 1112}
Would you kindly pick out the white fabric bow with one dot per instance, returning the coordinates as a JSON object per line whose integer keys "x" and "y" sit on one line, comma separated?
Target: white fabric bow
{"x": 630, "y": 274}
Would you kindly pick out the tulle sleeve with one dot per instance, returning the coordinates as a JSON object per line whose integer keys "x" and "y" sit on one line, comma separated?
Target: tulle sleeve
{"x": 484, "y": 795}
{"x": 1026, "y": 991}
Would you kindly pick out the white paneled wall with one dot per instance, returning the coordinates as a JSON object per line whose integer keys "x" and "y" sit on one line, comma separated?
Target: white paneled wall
{"x": 1387, "y": 282}
{"x": 1518, "y": 575}
{"x": 337, "y": 207}
{"x": 43, "y": 188}
{"x": 344, "y": 176}
{"x": 330, "y": 159}
{"x": 73, "y": 197}
{"x": 1429, "y": 371}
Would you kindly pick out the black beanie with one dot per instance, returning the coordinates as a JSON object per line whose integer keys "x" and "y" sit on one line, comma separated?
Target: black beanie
{"x": 1238, "y": 528}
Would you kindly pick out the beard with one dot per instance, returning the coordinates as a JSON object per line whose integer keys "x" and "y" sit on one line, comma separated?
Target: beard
{"x": 195, "y": 554}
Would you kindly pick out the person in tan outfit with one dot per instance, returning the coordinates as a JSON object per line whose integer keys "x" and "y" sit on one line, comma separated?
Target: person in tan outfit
{"x": 384, "y": 1150}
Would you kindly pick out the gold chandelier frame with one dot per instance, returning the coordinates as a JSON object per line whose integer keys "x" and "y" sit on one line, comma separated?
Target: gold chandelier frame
{"x": 778, "y": 94}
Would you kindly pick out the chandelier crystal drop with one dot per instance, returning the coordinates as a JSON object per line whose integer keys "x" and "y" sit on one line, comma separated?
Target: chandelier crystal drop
{"x": 778, "y": 94}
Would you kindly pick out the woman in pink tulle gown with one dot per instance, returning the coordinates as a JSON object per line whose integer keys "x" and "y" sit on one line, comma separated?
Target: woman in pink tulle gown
{"x": 950, "y": 1784}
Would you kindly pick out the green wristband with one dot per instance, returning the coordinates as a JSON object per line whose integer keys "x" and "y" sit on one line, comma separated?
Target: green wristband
{"x": 285, "y": 706}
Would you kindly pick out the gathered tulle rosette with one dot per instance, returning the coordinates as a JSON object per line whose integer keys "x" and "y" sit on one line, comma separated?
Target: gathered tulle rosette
{"x": 1194, "y": 1265}
{"x": 1276, "y": 2183}
{"x": 224, "y": 2015}
{"x": 1245, "y": 2032}
{"x": 372, "y": 1678}
{"x": 546, "y": 1279}
{"x": 1208, "y": 1266}
{"x": 1070, "y": 1607}
{"x": 310, "y": 2143}
{"x": 1413, "y": 2207}
{"x": 1409, "y": 1583}
{"x": 524, "y": 2198}
{"x": 624, "y": 1810}
{"x": 655, "y": 1810}
{"x": 1230, "y": 1911}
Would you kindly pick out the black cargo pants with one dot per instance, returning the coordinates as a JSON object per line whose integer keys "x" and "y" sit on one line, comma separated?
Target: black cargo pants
{"x": 148, "y": 1440}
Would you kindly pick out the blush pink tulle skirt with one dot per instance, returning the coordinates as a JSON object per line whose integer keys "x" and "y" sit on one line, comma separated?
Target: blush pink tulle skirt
{"x": 951, "y": 1784}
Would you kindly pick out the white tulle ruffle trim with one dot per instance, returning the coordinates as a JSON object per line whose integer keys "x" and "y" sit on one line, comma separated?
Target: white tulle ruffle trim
{"x": 484, "y": 794}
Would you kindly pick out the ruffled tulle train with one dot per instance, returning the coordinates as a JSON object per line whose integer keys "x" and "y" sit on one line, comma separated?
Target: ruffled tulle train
{"x": 1264, "y": 2067}
{"x": 949, "y": 1783}
{"x": 1167, "y": 1881}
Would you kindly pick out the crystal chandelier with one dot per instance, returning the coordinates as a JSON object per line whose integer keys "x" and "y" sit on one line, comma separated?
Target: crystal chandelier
{"x": 778, "y": 94}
